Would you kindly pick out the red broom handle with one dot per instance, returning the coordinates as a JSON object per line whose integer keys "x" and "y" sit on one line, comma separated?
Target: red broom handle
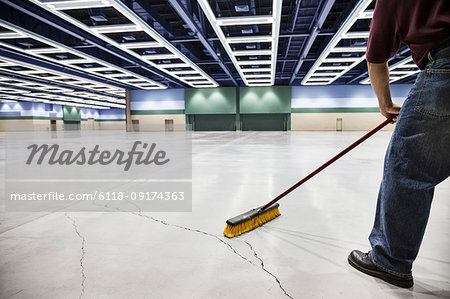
{"x": 349, "y": 148}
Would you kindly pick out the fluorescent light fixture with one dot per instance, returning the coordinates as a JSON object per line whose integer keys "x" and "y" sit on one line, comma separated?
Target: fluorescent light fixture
{"x": 38, "y": 71}
{"x": 324, "y": 68}
{"x": 60, "y": 6}
{"x": 10, "y": 35}
{"x": 249, "y": 39}
{"x": 253, "y": 62}
{"x": 348, "y": 49}
{"x": 315, "y": 79}
{"x": 140, "y": 45}
{"x": 273, "y": 19}
{"x": 355, "y": 35}
{"x": 45, "y": 50}
{"x": 339, "y": 59}
{"x": 116, "y": 28}
{"x": 173, "y": 65}
{"x": 198, "y": 82}
{"x": 260, "y": 84}
{"x": 257, "y": 76}
{"x": 343, "y": 32}
{"x": 160, "y": 56}
{"x": 409, "y": 65}
{"x": 252, "y": 52}
{"x": 396, "y": 73}
{"x": 256, "y": 70}
{"x": 316, "y": 83}
{"x": 31, "y": 84}
{"x": 247, "y": 20}
{"x": 98, "y": 69}
{"x": 203, "y": 85}
{"x": 192, "y": 76}
{"x": 368, "y": 14}
{"x": 83, "y": 58}
{"x": 184, "y": 72}
{"x": 26, "y": 95}
{"x": 76, "y": 4}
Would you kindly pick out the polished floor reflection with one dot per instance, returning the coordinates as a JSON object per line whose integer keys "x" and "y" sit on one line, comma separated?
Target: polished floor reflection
{"x": 302, "y": 254}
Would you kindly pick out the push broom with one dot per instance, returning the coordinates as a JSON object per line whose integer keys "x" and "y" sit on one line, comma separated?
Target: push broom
{"x": 257, "y": 217}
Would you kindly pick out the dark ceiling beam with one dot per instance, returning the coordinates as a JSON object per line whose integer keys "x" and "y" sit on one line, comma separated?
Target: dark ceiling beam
{"x": 280, "y": 60}
{"x": 189, "y": 39}
{"x": 302, "y": 34}
{"x": 294, "y": 22}
{"x": 181, "y": 10}
{"x": 294, "y": 18}
{"x": 35, "y": 12}
{"x": 315, "y": 31}
{"x": 147, "y": 7}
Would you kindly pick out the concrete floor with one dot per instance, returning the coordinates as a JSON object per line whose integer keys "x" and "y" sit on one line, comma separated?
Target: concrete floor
{"x": 302, "y": 254}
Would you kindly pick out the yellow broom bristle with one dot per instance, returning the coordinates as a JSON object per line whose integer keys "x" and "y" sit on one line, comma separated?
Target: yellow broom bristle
{"x": 233, "y": 231}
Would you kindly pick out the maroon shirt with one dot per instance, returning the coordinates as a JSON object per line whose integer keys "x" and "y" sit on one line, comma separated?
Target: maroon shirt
{"x": 421, "y": 24}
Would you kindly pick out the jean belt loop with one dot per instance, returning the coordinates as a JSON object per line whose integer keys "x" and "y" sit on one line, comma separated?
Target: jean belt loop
{"x": 430, "y": 59}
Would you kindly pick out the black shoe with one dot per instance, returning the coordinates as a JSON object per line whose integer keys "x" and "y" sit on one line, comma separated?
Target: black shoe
{"x": 363, "y": 262}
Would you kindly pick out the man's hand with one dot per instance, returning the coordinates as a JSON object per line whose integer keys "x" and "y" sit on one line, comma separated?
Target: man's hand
{"x": 391, "y": 111}
{"x": 379, "y": 78}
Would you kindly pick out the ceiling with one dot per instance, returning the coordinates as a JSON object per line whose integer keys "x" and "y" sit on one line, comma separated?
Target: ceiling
{"x": 88, "y": 52}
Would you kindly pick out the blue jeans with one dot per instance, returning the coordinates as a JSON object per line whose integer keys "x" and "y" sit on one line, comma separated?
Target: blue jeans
{"x": 417, "y": 159}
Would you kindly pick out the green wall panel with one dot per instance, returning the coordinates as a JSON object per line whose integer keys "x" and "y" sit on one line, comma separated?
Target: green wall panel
{"x": 72, "y": 125}
{"x": 71, "y": 113}
{"x": 214, "y": 122}
{"x": 264, "y": 122}
{"x": 221, "y": 100}
{"x": 270, "y": 99}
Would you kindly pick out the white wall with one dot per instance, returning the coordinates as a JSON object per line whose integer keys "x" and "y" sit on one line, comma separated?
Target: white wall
{"x": 157, "y": 122}
{"x": 317, "y": 108}
{"x": 328, "y": 121}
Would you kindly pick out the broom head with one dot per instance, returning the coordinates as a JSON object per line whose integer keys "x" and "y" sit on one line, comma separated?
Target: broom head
{"x": 250, "y": 220}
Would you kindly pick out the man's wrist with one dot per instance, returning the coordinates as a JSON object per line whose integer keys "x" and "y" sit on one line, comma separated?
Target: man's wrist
{"x": 385, "y": 104}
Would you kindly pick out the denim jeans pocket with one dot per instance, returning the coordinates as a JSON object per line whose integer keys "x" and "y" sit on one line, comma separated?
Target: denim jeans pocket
{"x": 434, "y": 96}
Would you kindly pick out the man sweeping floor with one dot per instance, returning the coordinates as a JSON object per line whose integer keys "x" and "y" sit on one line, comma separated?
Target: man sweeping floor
{"x": 417, "y": 158}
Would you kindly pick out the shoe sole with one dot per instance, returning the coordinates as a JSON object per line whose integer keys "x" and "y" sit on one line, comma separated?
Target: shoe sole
{"x": 389, "y": 278}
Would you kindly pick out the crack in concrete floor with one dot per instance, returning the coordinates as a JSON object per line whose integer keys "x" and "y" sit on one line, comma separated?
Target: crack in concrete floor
{"x": 83, "y": 253}
{"x": 139, "y": 213}
{"x": 255, "y": 254}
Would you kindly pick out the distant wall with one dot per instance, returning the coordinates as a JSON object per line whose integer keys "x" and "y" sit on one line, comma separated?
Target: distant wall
{"x": 151, "y": 108}
{"x": 29, "y": 116}
{"x": 346, "y": 107}
{"x": 350, "y": 107}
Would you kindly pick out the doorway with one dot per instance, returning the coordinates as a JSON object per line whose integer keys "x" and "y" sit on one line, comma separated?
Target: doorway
{"x": 264, "y": 122}
{"x": 72, "y": 125}
{"x": 53, "y": 125}
{"x": 91, "y": 124}
{"x": 339, "y": 124}
{"x": 168, "y": 125}
{"x": 135, "y": 125}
